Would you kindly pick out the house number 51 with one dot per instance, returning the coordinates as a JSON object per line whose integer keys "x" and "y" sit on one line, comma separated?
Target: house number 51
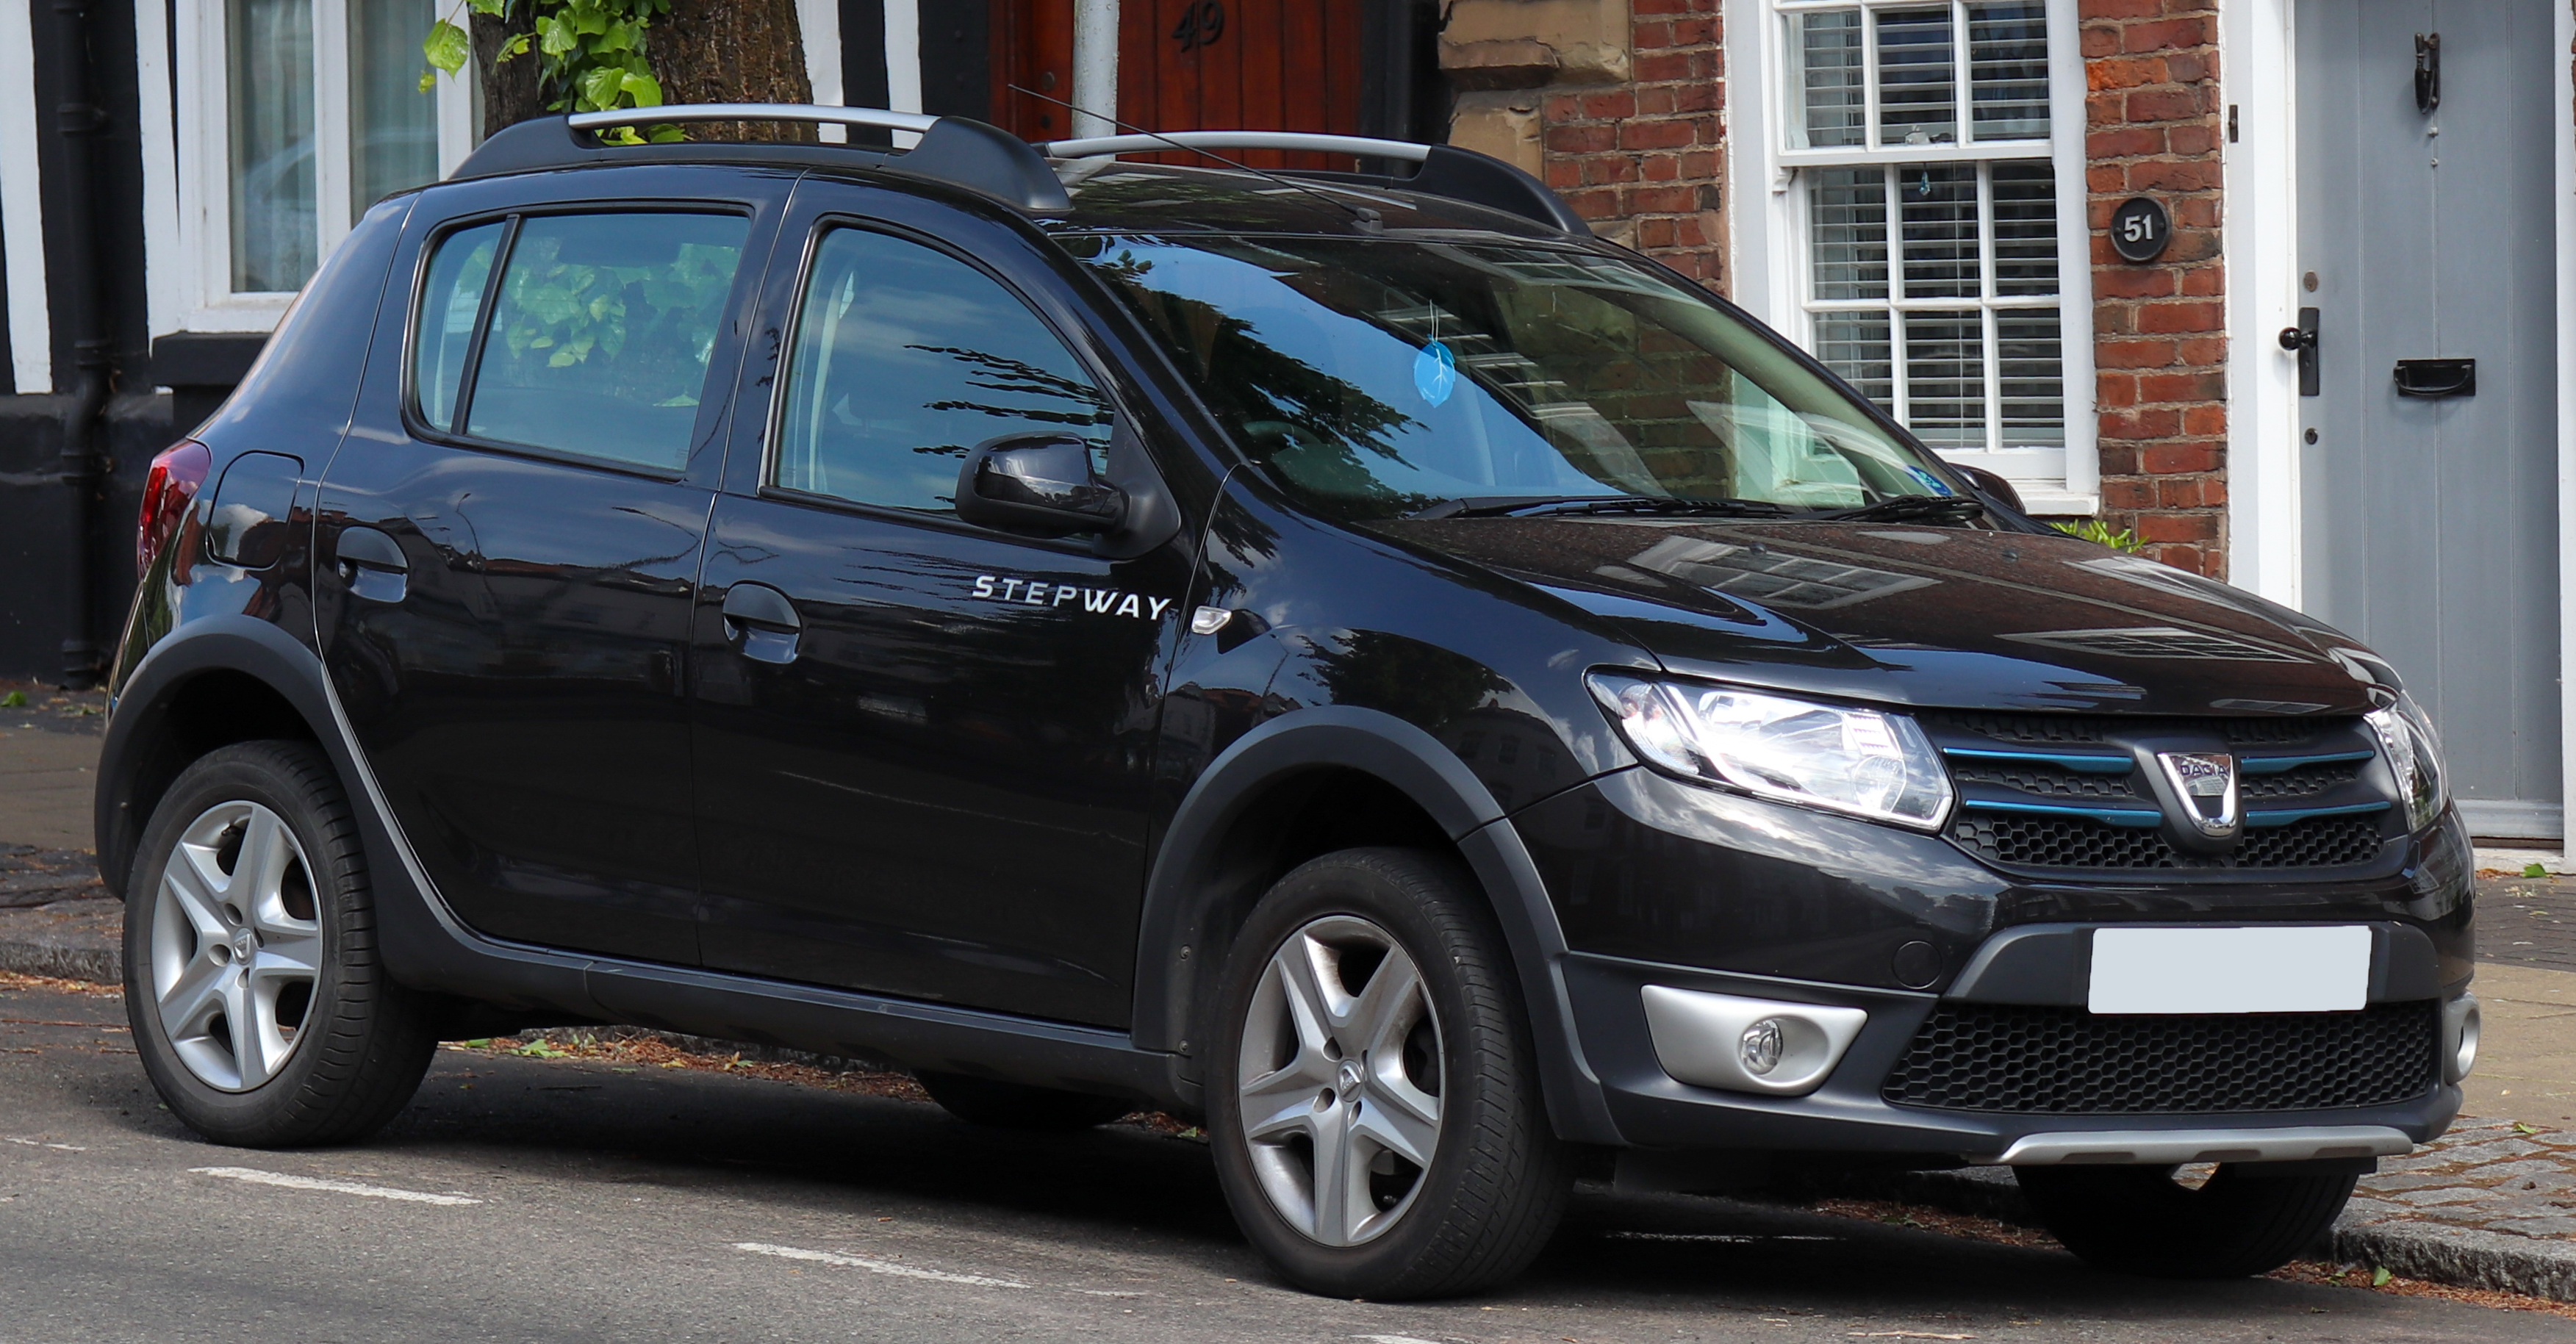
{"x": 2140, "y": 229}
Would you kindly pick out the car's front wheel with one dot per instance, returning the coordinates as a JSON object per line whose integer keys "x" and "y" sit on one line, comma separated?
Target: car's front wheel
{"x": 260, "y": 1006}
{"x": 1374, "y": 1102}
{"x": 2242, "y": 1220}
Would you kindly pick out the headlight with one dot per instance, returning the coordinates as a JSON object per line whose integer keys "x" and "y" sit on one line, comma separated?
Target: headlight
{"x": 2415, "y": 757}
{"x": 1858, "y": 761}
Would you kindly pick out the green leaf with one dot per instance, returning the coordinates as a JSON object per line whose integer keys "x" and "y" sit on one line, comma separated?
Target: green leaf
{"x": 447, "y": 46}
{"x": 14, "y": 700}
{"x": 489, "y": 8}
{"x": 2379, "y": 1277}
{"x": 599, "y": 88}
{"x": 428, "y": 80}
{"x": 2535, "y": 870}
{"x": 556, "y": 37}
{"x": 646, "y": 90}
{"x": 667, "y": 135}
{"x": 2521, "y": 1128}
{"x": 516, "y": 46}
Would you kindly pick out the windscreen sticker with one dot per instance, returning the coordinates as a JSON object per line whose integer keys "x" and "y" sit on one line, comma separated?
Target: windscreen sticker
{"x": 1435, "y": 372}
{"x": 1097, "y": 601}
{"x": 1931, "y": 482}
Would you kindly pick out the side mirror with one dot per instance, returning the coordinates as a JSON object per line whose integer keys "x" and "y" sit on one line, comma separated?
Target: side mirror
{"x": 1993, "y": 487}
{"x": 1037, "y": 481}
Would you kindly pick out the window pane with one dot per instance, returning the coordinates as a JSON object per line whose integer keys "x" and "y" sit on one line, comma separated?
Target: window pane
{"x": 2034, "y": 383}
{"x": 1847, "y": 214}
{"x": 268, "y": 76}
{"x": 601, "y": 331}
{"x": 1939, "y": 205}
{"x": 2025, "y": 228}
{"x": 905, "y": 358}
{"x": 1917, "y": 101}
{"x": 393, "y": 122}
{"x": 1945, "y": 379}
{"x": 1828, "y": 76}
{"x": 1855, "y": 346}
{"x": 448, "y": 303}
{"x": 2008, "y": 69}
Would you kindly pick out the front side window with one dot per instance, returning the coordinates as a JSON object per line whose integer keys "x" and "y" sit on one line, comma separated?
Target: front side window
{"x": 598, "y": 336}
{"x": 1922, "y": 148}
{"x": 905, "y": 358}
{"x": 1381, "y": 378}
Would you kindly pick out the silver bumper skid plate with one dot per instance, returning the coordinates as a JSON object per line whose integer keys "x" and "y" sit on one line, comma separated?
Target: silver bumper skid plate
{"x": 2176, "y": 1147}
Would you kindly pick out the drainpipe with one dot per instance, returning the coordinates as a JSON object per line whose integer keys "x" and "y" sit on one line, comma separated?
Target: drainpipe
{"x": 77, "y": 120}
{"x": 1095, "y": 67}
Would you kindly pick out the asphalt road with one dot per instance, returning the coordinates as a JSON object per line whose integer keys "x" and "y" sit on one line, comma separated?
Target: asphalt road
{"x": 523, "y": 1199}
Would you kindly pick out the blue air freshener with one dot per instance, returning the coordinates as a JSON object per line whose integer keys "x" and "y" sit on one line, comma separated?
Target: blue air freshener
{"x": 1931, "y": 482}
{"x": 1435, "y": 373}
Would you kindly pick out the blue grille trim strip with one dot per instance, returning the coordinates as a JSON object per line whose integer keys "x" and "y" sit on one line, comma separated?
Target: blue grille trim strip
{"x": 2286, "y": 816}
{"x": 2108, "y": 816}
{"x": 2081, "y": 763}
{"x": 2273, "y": 765}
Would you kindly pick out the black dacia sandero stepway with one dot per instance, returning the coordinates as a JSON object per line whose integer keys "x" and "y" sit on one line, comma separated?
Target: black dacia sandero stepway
{"x": 1343, "y": 654}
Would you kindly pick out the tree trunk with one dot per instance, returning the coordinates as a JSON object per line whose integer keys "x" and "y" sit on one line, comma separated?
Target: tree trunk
{"x": 509, "y": 88}
{"x": 732, "y": 51}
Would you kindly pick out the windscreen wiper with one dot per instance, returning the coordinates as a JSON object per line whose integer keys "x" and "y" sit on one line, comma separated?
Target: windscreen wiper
{"x": 1532, "y": 506}
{"x": 1925, "y": 508}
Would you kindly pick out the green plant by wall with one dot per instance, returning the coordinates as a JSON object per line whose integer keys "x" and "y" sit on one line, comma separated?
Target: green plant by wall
{"x": 590, "y": 53}
{"x": 2102, "y": 534}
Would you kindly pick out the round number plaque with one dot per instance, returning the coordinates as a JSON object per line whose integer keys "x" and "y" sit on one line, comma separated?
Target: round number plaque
{"x": 2140, "y": 229}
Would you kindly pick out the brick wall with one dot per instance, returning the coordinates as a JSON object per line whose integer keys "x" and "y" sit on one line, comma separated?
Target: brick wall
{"x": 1648, "y": 158}
{"x": 2154, "y": 127}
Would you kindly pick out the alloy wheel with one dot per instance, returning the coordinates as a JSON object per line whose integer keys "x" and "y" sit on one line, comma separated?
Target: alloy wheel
{"x": 236, "y": 945}
{"x": 1339, "y": 1080}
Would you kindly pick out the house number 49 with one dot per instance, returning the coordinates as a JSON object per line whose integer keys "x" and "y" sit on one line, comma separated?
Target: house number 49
{"x": 1201, "y": 24}
{"x": 2140, "y": 229}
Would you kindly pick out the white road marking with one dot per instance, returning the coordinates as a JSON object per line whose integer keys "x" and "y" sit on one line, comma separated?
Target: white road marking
{"x": 872, "y": 1266}
{"x": 39, "y": 1143}
{"x": 257, "y": 1177}
{"x": 1393, "y": 1339}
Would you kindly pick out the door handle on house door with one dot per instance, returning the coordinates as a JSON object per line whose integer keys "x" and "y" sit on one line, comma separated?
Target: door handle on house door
{"x": 2437, "y": 378}
{"x": 2302, "y": 340}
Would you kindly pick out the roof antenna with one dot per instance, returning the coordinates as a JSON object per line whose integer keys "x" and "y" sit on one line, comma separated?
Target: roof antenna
{"x": 1368, "y": 219}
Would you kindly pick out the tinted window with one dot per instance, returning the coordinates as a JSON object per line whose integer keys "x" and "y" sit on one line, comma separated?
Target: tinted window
{"x": 905, "y": 358}
{"x": 600, "y": 333}
{"x": 448, "y": 303}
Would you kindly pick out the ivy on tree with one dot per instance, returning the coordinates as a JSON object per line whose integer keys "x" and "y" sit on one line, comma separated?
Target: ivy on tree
{"x": 590, "y": 53}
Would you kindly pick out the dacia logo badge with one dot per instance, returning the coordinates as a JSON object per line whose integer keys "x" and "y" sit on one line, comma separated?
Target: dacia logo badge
{"x": 2205, "y": 781}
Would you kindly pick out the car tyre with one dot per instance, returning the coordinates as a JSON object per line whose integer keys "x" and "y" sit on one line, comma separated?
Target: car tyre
{"x": 1374, "y": 1101}
{"x": 259, "y": 1001}
{"x": 2141, "y": 1220}
{"x": 1000, "y": 1105}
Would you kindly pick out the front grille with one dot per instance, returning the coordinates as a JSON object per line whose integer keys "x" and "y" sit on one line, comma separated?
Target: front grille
{"x": 2307, "y": 781}
{"x": 2022, "y": 841}
{"x": 2045, "y": 781}
{"x": 2066, "y": 1061}
{"x": 2071, "y": 729}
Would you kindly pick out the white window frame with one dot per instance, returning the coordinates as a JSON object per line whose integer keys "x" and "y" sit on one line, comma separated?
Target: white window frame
{"x": 199, "y": 295}
{"x": 1770, "y": 267}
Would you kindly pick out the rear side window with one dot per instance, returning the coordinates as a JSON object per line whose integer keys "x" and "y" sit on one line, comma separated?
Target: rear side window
{"x": 905, "y": 357}
{"x": 595, "y": 339}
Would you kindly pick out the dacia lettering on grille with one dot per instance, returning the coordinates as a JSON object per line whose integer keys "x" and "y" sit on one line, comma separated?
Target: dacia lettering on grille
{"x": 1096, "y": 601}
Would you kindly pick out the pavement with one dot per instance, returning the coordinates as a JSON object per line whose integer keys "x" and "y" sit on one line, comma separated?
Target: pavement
{"x": 613, "y": 1199}
{"x": 2490, "y": 1206}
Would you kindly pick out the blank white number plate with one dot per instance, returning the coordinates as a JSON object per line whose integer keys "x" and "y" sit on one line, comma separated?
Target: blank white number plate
{"x": 2256, "y": 970}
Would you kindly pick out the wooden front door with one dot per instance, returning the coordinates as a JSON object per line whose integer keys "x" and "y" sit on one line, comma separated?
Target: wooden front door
{"x": 1292, "y": 65}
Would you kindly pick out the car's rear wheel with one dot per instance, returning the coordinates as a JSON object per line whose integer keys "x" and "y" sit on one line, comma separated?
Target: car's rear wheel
{"x": 1374, "y": 1099}
{"x": 986, "y": 1101}
{"x": 260, "y": 1008}
{"x": 2243, "y": 1220}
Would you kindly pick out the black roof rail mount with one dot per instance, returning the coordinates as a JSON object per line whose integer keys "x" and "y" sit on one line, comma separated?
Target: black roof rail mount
{"x": 1458, "y": 174}
{"x": 957, "y": 151}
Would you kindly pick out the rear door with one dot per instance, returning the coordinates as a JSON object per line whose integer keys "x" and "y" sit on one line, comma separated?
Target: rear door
{"x": 923, "y": 747}
{"x": 511, "y": 535}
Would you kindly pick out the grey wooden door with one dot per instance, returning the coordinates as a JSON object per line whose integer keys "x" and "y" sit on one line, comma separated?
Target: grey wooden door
{"x": 2431, "y": 523}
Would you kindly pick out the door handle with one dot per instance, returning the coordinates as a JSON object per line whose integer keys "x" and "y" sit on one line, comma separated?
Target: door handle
{"x": 2302, "y": 340}
{"x": 763, "y": 621}
{"x": 372, "y": 564}
{"x": 2437, "y": 377}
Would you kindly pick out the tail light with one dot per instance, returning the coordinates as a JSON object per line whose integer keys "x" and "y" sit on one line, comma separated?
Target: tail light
{"x": 176, "y": 476}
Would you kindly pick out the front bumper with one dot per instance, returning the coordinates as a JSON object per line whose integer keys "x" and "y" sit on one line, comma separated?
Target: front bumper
{"x": 1659, "y": 883}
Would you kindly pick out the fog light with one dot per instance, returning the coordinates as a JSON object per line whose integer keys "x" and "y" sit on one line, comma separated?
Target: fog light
{"x": 2460, "y": 1037}
{"x": 1760, "y": 1047}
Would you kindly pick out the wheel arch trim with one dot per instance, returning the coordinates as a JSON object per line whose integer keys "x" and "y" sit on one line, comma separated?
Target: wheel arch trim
{"x": 1182, "y": 893}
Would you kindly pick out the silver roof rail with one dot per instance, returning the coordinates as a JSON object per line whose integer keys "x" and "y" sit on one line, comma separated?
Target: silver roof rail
{"x": 1402, "y": 150}
{"x": 876, "y": 118}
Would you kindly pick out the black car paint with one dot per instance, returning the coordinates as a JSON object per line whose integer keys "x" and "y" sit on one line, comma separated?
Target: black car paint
{"x": 1443, "y": 659}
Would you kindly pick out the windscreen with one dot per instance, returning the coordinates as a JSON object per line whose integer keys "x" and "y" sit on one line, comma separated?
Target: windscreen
{"x": 1381, "y": 377}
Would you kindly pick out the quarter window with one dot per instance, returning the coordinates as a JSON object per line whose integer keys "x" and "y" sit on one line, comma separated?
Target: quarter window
{"x": 905, "y": 358}
{"x": 600, "y": 330}
{"x": 1925, "y": 180}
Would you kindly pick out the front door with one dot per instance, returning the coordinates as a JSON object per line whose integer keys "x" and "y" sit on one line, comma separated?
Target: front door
{"x": 923, "y": 747}
{"x": 510, "y": 537}
{"x": 2425, "y": 225}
